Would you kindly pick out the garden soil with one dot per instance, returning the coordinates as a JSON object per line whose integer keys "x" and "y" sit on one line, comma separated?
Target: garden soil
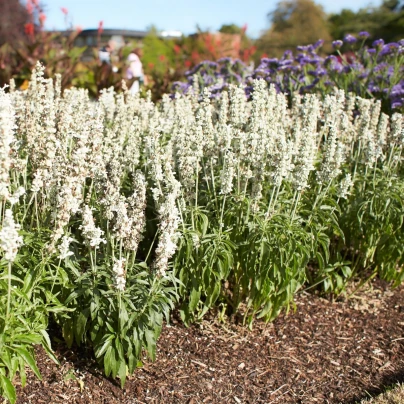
{"x": 322, "y": 352}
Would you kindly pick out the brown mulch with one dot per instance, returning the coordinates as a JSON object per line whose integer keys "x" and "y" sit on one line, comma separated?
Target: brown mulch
{"x": 324, "y": 352}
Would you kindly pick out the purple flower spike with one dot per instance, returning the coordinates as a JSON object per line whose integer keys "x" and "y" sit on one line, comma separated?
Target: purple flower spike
{"x": 350, "y": 39}
{"x": 319, "y": 44}
{"x": 363, "y": 35}
{"x": 378, "y": 43}
{"x": 337, "y": 44}
{"x": 302, "y": 48}
{"x": 397, "y": 104}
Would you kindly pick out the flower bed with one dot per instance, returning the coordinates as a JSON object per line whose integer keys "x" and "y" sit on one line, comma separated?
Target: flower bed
{"x": 115, "y": 211}
{"x": 370, "y": 72}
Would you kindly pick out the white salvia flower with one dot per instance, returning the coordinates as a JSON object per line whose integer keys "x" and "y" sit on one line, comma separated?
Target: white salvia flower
{"x": 227, "y": 174}
{"x": 10, "y": 241}
{"x": 203, "y": 118}
{"x": 37, "y": 182}
{"x": 13, "y": 199}
{"x": 238, "y": 106}
{"x": 397, "y": 129}
{"x": 136, "y": 211}
{"x": 381, "y": 136}
{"x": 119, "y": 273}
{"x": 169, "y": 217}
{"x": 107, "y": 100}
{"x": 383, "y": 130}
{"x": 282, "y": 160}
{"x": 90, "y": 231}
{"x": 7, "y": 126}
{"x": 122, "y": 226}
{"x": 332, "y": 160}
{"x": 374, "y": 115}
{"x": 195, "y": 240}
{"x": 256, "y": 192}
{"x": 345, "y": 186}
{"x": 63, "y": 248}
{"x": 304, "y": 162}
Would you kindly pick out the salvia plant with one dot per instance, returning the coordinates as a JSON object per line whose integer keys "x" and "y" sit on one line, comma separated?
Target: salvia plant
{"x": 116, "y": 211}
{"x": 369, "y": 71}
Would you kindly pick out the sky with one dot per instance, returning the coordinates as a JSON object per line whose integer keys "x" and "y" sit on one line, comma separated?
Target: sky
{"x": 181, "y": 15}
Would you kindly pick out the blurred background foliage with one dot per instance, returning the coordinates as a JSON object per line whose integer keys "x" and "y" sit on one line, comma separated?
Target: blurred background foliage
{"x": 23, "y": 42}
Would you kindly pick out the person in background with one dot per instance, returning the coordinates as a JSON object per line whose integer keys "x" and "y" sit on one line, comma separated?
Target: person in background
{"x": 135, "y": 70}
{"x": 104, "y": 54}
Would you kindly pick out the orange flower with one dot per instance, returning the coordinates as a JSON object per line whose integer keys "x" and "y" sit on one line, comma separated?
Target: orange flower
{"x": 162, "y": 58}
{"x": 29, "y": 29}
{"x": 151, "y": 65}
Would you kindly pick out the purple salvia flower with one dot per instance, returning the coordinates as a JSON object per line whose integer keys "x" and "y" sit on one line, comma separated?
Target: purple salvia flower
{"x": 378, "y": 43}
{"x": 319, "y": 44}
{"x": 397, "y": 104}
{"x": 350, "y": 39}
{"x": 363, "y": 35}
{"x": 337, "y": 44}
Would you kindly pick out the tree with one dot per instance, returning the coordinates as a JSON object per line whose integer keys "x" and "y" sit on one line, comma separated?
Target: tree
{"x": 385, "y": 21}
{"x": 294, "y": 22}
{"x": 13, "y": 19}
{"x": 231, "y": 29}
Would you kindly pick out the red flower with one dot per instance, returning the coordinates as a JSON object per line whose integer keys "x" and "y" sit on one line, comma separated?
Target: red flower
{"x": 64, "y": 10}
{"x": 79, "y": 29}
{"x": 29, "y": 29}
{"x": 264, "y": 55}
{"x": 100, "y": 27}
{"x": 187, "y": 63}
{"x": 30, "y": 7}
{"x": 162, "y": 58}
{"x": 35, "y": 3}
{"x": 42, "y": 19}
{"x": 244, "y": 28}
{"x": 151, "y": 65}
{"x": 195, "y": 56}
{"x": 177, "y": 49}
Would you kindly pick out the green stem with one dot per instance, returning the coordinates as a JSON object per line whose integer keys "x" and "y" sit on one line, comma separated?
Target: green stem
{"x": 8, "y": 290}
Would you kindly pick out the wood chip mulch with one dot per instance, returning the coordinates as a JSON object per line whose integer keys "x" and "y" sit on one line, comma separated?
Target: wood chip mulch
{"x": 323, "y": 352}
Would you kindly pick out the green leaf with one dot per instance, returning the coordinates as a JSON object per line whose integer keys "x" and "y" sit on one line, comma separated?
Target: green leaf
{"x": 106, "y": 344}
{"x": 68, "y": 333}
{"x": 30, "y": 361}
{"x": 46, "y": 343}
{"x": 122, "y": 372}
{"x": 108, "y": 361}
{"x": 8, "y": 389}
{"x": 80, "y": 327}
{"x": 27, "y": 338}
{"x": 12, "y": 277}
{"x": 194, "y": 299}
{"x": 150, "y": 344}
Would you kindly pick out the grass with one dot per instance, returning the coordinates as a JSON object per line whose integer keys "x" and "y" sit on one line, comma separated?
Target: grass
{"x": 393, "y": 396}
